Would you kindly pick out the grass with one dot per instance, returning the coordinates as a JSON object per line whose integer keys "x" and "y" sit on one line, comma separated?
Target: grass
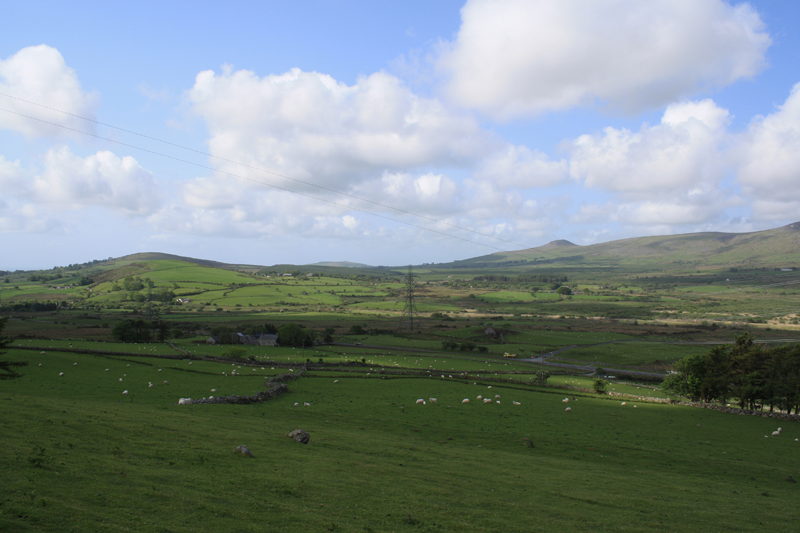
{"x": 77, "y": 455}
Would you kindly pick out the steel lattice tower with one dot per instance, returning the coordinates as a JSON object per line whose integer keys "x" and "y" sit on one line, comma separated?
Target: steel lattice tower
{"x": 410, "y": 313}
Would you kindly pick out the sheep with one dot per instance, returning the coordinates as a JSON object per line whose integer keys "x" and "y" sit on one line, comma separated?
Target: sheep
{"x": 497, "y": 401}
{"x": 166, "y": 383}
{"x": 433, "y": 400}
{"x": 420, "y": 401}
{"x": 776, "y": 433}
{"x": 479, "y": 397}
{"x": 496, "y": 396}
{"x": 515, "y": 402}
{"x": 487, "y": 400}
{"x": 74, "y": 364}
{"x": 306, "y": 404}
{"x": 125, "y": 393}
{"x": 213, "y": 390}
{"x": 624, "y": 403}
{"x": 60, "y": 373}
{"x": 489, "y": 387}
{"x": 107, "y": 369}
{"x": 159, "y": 370}
{"x": 336, "y": 381}
{"x": 295, "y": 404}
{"x": 120, "y": 379}
{"x": 465, "y": 400}
{"x": 149, "y": 384}
{"x": 185, "y": 401}
{"x": 565, "y": 400}
{"x": 568, "y": 409}
{"x": 634, "y": 406}
{"x": 40, "y": 364}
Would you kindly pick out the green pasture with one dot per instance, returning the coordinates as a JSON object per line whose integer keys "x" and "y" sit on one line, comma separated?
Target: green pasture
{"x": 78, "y": 455}
{"x": 631, "y": 353}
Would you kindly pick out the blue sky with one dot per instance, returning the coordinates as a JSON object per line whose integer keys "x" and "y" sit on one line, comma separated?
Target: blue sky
{"x": 390, "y": 133}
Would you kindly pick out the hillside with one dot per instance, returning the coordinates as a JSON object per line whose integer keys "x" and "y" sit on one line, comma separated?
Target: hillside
{"x": 769, "y": 248}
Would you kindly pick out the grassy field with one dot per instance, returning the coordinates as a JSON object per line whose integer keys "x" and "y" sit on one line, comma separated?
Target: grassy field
{"x": 78, "y": 455}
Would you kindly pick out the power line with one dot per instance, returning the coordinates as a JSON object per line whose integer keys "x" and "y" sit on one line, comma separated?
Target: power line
{"x": 322, "y": 187}
{"x": 199, "y": 165}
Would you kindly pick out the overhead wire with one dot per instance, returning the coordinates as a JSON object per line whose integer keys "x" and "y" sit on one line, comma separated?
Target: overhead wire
{"x": 266, "y": 171}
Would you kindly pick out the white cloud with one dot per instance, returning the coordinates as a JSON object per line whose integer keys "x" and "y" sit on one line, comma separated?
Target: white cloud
{"x": 71, "y": 182}
{"x": 680, "y": 155}
{"x": 521, "y": 167}
{"x": 310, "y": 127}
{"x": 769, "y": 161}
{"x": 39, "y": 74}
{"x": 517, "y": 58}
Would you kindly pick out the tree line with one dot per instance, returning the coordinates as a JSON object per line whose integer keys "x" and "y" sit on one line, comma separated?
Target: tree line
{"x": 754, "y": 375}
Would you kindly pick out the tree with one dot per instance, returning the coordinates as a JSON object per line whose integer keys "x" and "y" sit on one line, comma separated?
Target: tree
{"x": 328, "y": 338}
{"x": 294, "y": 335}
{"x": 356, "y": 329}
{"x": 564, "y": 291}
{"x": 132, "y": 331}
{"x": 7, "y": 367}
{"x": 541, "y": 377}
{"x": 599, "y": 386}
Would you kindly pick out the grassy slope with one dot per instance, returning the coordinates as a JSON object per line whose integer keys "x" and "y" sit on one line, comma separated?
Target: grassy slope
{"x": 77, "y": 455}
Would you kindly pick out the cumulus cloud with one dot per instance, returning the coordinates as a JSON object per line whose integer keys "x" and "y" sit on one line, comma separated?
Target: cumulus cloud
{"x": 517, "y": 58}
{"x": 679, "y": 154}
{"x": 768, "y": 155}
{"x": 521, "y": 167}
{"x": 39, "y": 74}
{"x": 667, "y": 174}
{"x": 70, "y": 182}
{"x": 310, "y": 127}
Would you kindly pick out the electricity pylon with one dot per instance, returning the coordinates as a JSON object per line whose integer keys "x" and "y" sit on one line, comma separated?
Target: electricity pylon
{"x": 410, "y": 313}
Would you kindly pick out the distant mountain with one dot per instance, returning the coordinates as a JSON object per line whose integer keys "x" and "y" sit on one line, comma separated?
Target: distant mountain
{"x": 345, "y": 264}
{"x": 775, "y": 247}
{"x": 158, "y": 256}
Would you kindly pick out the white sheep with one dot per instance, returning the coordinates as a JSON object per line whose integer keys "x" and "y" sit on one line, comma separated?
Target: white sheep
{"x": 497, "y": 401}
{"x": 149, "y": 384}
{"x": 120, "y": 379}
{"x": 125, "y": 393}
{"x": 336, "y": 381}
{"x": 166, "y": 383}
{"x": 295, "y": 404}
{"x": 496, "y": 396}
{"x": 568, "y": 409}
{"x": 624, "y": 403}
{"x": 487, "y": 400}
{"x": 489, "y": 387}
{"x": 565, "y": 400}
{"x": 213, "y": 390}
{"x": 420, "y": 401}
{"x": 185, "y": 401}
{"x": 479, "y": 397}
{"x": 107, "y": 369}
{"x": 465, "y": 400}
{"x": 515, "y": 402}
{"x": 306, "y": 404}
{"x": 433, "y": 400}
{"x": 74, "y": 364}
{"x": 40, "y": 364}
{"x": 776, "y": 433}
{"x": 159, "y": 370}
{"x": 60, "y": 373}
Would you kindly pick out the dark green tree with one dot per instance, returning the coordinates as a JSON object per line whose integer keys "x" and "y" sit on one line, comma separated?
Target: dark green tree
{"x": 294, "y": 335}
{"x": 7, "y": 367}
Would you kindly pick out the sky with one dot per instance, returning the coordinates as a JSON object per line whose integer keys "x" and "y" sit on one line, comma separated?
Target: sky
{"x": 390, "y": 133}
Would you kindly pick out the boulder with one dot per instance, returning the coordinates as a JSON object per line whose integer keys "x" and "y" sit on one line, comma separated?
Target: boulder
{"x": 299, "y": 435}
{"x": 244, "y": 450}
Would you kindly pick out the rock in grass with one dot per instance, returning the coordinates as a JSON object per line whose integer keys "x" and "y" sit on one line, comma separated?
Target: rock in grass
{"x": 244, "y": 450}
{"x": 299, "y": 435}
